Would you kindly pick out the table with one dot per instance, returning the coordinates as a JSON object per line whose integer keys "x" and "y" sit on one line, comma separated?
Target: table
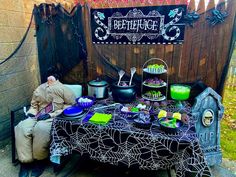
{"x": 121, "y": 143}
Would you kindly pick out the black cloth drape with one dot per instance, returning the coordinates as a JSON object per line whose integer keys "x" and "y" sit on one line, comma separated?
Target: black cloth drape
{"x": 60, "y": 39}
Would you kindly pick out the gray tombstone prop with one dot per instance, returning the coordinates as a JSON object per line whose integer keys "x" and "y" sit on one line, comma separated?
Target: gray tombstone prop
{"x": 207, "y": 112}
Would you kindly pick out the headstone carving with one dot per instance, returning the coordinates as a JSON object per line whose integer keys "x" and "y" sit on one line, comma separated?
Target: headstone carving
{"x": 207, "y": 113}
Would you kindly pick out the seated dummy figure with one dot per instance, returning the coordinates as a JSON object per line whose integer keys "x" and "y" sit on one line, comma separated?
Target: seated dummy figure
{"x": 32, "y": 135}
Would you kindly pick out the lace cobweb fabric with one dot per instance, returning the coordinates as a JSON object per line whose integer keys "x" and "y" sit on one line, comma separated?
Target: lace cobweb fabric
{"x": 122, "y": 143}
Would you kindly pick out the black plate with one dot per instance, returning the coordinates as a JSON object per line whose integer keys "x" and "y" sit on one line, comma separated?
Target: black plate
{"x": 143, "y": 125}
{"x": 168, "y": 129}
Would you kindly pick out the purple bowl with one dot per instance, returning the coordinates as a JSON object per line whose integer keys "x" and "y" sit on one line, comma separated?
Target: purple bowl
{"x": 85, "y": 105}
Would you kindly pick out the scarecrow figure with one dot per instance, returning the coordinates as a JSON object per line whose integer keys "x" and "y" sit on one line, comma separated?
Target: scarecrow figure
{"x": 32, "y": 135}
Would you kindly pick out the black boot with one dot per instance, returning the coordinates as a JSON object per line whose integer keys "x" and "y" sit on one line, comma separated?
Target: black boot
{"x": 38, "y": 168}
{"x": 24, "y": 170}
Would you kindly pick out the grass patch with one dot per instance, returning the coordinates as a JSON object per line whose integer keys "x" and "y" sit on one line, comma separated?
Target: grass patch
{"x": 228, "y": 125}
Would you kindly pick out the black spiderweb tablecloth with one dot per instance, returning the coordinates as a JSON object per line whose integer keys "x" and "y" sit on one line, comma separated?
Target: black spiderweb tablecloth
{"x": 121, "y": 143}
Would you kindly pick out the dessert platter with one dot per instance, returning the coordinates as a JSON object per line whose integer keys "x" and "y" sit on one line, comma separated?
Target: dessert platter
{"x": 130, "y": 110}
{"x": 154, "y": 82}
{"x": 155, "y": 69}
{"x": 153, "y": 95}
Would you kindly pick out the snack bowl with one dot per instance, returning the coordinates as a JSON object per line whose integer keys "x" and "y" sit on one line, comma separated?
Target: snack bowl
{"x": 180, "y": 92}
{"x": 85, "y": 101}
{"x": 170, "y": 125}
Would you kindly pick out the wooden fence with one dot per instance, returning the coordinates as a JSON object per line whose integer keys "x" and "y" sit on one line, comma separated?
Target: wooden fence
{"x": 204, "y": 55}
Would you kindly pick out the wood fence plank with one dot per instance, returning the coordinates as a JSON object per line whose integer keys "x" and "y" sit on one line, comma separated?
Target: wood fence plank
{"x": 165, "y": 3}
{"x": 152, "y": 51}
{"x": 211, "y": 5}
{"x": 211, "y": 62}
{"x": 177, "y": 2}
{"x": 184, "y": 60}
{"x": 168, "y": 57}
{"x": 134, "y": 59}
{"x": 121, "y": 55}
{"x": 207, "y": 44}
{"x": 172, "y": 2}
{"x": 115, "y": 60}
{"x": 129, "y": 56}
{"x": 193, "y": 57}
{"x": 145, "y": 54}
{"x": 191, "y": 5}
{"x": 221, "y": 52}
{"x": 99, "y": 66}
{"x": 177, "y": 54}
{"x": 201, "y": 7}
{"x": 160, "y": 51}
{"x": 87, "y": 32}
{"x": 106, "y": 51}
{"x": 203, "y": 50}
{"x": 161, "y": 2}
{"x": 138, "y": 56}
{"x": 142, "y": 57}
{"x": 184, "y": 2}
{"x": 197, "y": 38}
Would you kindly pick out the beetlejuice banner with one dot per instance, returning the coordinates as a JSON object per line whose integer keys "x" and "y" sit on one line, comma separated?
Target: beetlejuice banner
{"x": 139, "y": 25}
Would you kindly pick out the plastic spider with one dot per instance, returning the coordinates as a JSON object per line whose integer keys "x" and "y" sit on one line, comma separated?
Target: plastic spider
{"x": 191, "y": 17}
{"x": 217, "y": 17}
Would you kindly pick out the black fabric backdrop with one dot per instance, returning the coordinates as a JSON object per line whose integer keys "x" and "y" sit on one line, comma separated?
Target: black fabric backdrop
{"x": 60, "y": 39}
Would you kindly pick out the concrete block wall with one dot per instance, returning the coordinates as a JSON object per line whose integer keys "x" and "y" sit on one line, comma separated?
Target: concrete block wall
{"x": 19, "y": 76}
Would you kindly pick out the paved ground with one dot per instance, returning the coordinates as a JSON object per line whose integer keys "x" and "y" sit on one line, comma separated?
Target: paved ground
{"x": 78, "y": 167}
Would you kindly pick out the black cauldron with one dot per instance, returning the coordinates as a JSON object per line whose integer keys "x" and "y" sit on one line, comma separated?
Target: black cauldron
{"x": 123, "y": 94}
